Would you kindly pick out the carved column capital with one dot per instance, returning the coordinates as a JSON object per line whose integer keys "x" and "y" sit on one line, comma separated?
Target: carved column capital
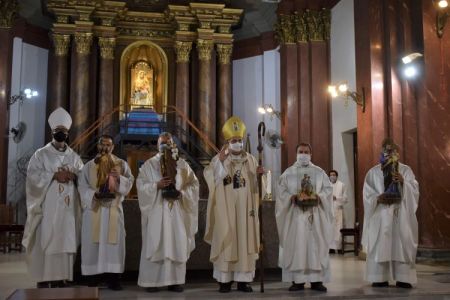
{"x": 204, "y": 48}
{"x": 285, "y": 29}
{"x": 224, "y": 51}
{"x": 301, "y": 27}
{"x": 182, "y": 50}
{"x": 83, "y": 42}
{"x": 8, "y": 11}
{"x": 61, "y": 43}
{"x": 107, "y": 46}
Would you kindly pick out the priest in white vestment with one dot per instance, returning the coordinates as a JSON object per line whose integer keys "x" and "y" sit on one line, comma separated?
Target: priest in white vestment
{"x": 304, "y": 215}
{"x": 51, "y": 233}
{"x": 339, "y": 200}
{"x": 232, "y": 224}
{"x": 104, "y": 183}
{"x": 169, "y": 224}
{"x": 390, "y": 234}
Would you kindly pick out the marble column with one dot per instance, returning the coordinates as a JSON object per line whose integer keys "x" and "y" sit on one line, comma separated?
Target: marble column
{"x": 182, "y": 50}
{"x": 206, "y": 105}
{"x": 57, "y": 75}
{"x": 79, "y": 102}
{"x": 106, "y": 80}
{"x": 7, "y": 15}
{"x": 224, "y": 99}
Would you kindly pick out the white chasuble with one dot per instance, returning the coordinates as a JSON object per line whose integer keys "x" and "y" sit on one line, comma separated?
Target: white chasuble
{"x": 232, "y": 224}
{"x": 51, "y": 233}
{"x": 390, "y": 234}
{"x": 168, "y": 226}
{"x": 305, "y": 234}
{"x": 103, "y": 228}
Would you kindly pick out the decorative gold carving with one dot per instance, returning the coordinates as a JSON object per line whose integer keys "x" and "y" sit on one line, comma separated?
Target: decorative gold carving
{"x": 285, "y": 30}
{"x": 145, "y": 32}
{"x": 84, "y": 12}
{"x": 310, "y": 25}
{"x": 315, "y": 25}
{"x": 183, "y": 26}
{"x": 182, "y": 50}
{"x": 301, "y": 27}
{"x": 326, "y": 23}
{"x": 61, "y": 43}
{"x": 62, "y": 19}
{"x": 204, "y": 48}
{"x": 205, "y": 24}
{"x": 107, "y": 46}
{"x": 8, "y": 10}
{"x": 83, "y": 42}
{"x": 224, "y": 52}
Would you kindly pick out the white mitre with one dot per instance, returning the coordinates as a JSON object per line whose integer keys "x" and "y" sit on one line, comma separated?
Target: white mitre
{"x": 60, "y": 117}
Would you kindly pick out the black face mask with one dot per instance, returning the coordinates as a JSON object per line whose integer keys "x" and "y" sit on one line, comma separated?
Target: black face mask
{"x": 60, "y": 136}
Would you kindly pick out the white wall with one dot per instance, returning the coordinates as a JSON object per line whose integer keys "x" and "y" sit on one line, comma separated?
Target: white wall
{"x": 256, "y": 81}
{"x": 342, "y": 49}
{"x": 29, "y": 70}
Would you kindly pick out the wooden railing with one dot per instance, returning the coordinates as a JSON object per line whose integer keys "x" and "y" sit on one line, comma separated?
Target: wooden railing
{"x": 170, "y": 109}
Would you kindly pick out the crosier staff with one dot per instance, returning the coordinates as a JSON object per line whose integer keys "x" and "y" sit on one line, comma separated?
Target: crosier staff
{"x": 261, "y": 133}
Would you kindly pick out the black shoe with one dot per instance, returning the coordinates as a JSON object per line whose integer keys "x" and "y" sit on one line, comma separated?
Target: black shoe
{"x": 59, "y": 284}
{"x": 152, "y": 289}
{"x": 175, "y": 288}
{"x": 244, "y": 287}
{"x": 113, "y": 281}
{"x": 404, "y": 285}
{"x": 92, "y": 280}
{"x": 332, "y": 251}
{"x": 43, "y": 285}
{"x": 296, "y": 287}
{"x": 380, "y": 284}
{"x": 318, "y": 286}
{"x": 225, "y": 287}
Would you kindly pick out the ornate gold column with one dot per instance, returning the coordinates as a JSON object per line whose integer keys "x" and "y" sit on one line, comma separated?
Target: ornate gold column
{"x": 8, "y": 10}
{"x": 206, "y": 105}
{"x": 106, "y": 78}
{"x": 79, "y": 103}
{"x": 224, "y": 97}
{"x": 182, "y": 50}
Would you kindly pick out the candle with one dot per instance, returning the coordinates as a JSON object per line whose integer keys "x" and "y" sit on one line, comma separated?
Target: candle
{"x": 269, "y": 182}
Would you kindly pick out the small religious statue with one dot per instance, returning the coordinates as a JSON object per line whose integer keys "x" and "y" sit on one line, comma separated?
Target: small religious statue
{"x": 106, "y": 182}
{"x": 168, "y": 163}
{"x": 142, "y": 84}
{"x": 389, "y": 166}
{"x": 306, "y": 197}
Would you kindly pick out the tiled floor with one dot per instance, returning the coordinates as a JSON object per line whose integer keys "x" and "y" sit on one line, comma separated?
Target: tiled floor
{"x": 347, "y": 283}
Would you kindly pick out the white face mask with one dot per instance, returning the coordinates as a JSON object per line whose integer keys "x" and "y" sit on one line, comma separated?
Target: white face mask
{"x": 333, "y": 178}
{"x": 303, "y": 159}
{"x": 237, "y": 147}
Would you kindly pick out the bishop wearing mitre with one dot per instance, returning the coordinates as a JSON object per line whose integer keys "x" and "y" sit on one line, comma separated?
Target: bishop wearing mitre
{"x": 51, "y": 233}
{"x": 168, "y": 193}
{"x": 232, "y": 225}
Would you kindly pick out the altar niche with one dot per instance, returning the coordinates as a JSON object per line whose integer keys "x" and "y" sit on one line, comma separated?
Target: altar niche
{"x": 143, "y": 76}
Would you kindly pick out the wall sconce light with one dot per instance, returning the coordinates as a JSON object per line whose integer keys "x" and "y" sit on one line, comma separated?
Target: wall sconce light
{"x": 25, "y": 94}
{"x": 270, "y": 110}
{"x": 441, "y": 17}
{"x": 411, "y": 66}
{"x": 343, "y": 91}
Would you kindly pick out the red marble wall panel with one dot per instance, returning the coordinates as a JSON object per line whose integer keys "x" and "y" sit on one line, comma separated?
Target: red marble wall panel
{"x": 289, "y": 103}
